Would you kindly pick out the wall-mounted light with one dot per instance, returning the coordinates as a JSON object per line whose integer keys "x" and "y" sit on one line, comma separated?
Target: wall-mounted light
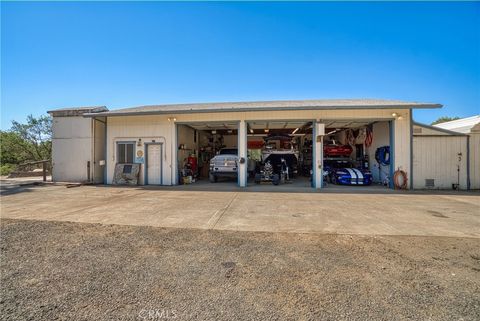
{"x": 394, "y": 114}
{"x": 266, "y": 130}
{"x": 229, "y": 131}
{"x": 214, "y": 132}
{"x": 172, "y": 119}
{"x": 139, "y": 142}
{"x": 251, "y": 131}
{"x": 399, "y": 118}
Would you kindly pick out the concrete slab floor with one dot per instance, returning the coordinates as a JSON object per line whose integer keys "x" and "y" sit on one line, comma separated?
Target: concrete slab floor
{"x": 342, "y": 211}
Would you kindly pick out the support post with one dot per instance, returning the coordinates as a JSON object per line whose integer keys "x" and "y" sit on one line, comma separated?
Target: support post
{"x": 44, "y": 169}
{"x": 242, "y": 154}
{"x": 174, "y": 151}
{"x": 319, "y": 132}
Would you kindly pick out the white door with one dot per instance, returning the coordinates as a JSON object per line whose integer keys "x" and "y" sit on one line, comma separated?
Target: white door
{"x": 154, "y": 164}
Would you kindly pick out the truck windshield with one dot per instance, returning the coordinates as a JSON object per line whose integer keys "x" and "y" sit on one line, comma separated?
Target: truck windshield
{"x": 229, "y": 151}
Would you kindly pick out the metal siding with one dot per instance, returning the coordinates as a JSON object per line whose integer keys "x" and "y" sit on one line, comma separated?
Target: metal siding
{"x": 242, "y": 152}
{"x": 99, "y": 150}
{"x": 300, "y": 114}
{"x": 475, "y": 161}
{"x": 71, "y": 148}
{"x": 436, "y": 158}
{"x": 402, "y": 143}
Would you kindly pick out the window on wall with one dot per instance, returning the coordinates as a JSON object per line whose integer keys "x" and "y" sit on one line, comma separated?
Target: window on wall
{"x": 125, "y": 152}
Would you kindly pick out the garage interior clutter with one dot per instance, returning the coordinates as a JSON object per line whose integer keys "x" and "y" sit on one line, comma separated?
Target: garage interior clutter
{"x": 280, "y": 152}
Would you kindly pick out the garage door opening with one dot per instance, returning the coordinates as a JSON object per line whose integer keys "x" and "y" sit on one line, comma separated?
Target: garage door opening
{"x": 279, "y": 154}
{"x": 358, "y": 154}
{"x": 207, "y": 154}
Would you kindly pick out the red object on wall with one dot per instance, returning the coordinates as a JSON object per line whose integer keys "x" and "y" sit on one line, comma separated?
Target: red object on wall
{"x": 337, "y": 150}
{"x": 192, "y": 161}
{"x": 255, "y": 144}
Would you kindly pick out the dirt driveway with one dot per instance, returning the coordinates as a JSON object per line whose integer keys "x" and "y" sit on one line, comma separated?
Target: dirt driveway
{"x": 75, "y": 271}
{"x": 151, "y": 254}
{"x": 441, "y": 214}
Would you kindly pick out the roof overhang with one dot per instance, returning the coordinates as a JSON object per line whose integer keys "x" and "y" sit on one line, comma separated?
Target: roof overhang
{"x": 293, "y": 105}
{"x": 77, "y": 111}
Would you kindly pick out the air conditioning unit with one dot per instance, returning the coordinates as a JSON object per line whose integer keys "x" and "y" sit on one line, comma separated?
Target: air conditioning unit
{"x": 429, "y": 183}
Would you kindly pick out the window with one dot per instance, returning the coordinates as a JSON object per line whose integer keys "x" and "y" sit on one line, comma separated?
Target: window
{"x": 125, "y": 152}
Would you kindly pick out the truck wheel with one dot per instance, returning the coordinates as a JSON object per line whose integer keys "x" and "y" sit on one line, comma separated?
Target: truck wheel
{"x": 275, "y": 179}
{"x": 258, "y": 178}
{"x": 212, "y": 178}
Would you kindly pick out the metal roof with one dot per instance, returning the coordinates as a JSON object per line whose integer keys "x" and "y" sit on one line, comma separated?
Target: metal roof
{"x": 441, "y": 130}
{"x": 463, "y": 125}
{"x": 265, "y": 106}
{"x": 77, "y": 111}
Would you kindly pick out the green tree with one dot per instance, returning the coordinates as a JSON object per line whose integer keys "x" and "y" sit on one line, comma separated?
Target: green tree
{"x": 14, "y": 149}
{"x": 444, "y": 119}
{"x": 37, "y": 136}
{"x": 31, "y": 141}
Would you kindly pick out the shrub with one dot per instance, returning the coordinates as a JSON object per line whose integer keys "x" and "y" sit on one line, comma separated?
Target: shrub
{"x": 6, "y": 169}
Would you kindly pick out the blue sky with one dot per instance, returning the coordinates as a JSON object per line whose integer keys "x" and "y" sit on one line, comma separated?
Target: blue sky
{"x": 127, "y": 54}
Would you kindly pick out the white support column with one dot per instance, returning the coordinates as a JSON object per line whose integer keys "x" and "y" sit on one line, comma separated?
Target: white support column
{"x": 242, "y": 154}
{"x": 174, "y": 150}
{"x": 318, "y": 132}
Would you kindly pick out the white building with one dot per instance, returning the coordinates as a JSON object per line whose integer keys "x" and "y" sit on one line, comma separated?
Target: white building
{"x": 88, "y": 143}
{"x": 469, "y": 126}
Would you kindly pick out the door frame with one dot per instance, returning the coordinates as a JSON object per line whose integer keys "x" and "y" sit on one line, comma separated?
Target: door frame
{"x": 145, "y": 169}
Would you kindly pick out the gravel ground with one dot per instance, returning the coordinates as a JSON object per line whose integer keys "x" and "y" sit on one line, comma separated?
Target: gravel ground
{"x": 73, "y": 271}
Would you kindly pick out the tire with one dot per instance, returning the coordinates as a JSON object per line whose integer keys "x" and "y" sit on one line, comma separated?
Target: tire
{"x": 275, "y": 179}
{"x": 258, "y": 178}
{"x": 212, "y": 178}
{"x": 333, "y": 179}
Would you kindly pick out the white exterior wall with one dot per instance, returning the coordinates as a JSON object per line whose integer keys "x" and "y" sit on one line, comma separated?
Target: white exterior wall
{"x": 125, "y": 128}
{"x": 146, "y": 128}
{"x": 436, "y": 157}
{"x": 99, "y": 151}
{"x": 71, "y": 148}
{"x": 242, "y": 154}
{"x": 402, "y": 143}
{"x": 475, "y": 160}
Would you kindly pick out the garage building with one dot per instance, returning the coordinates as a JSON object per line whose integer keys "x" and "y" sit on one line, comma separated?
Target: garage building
{"x": 177, "y": 144}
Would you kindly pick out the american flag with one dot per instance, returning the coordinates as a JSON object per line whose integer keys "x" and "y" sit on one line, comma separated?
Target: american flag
{"x": 369, "y": 138}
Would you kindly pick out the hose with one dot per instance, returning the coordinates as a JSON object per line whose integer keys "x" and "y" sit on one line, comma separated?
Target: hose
{"x": 396, "y": 176}
{"x": 382, "y": 155}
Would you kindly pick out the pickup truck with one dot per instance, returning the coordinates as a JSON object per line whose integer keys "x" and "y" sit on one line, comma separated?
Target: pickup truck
{"x": 224, "y": 164}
